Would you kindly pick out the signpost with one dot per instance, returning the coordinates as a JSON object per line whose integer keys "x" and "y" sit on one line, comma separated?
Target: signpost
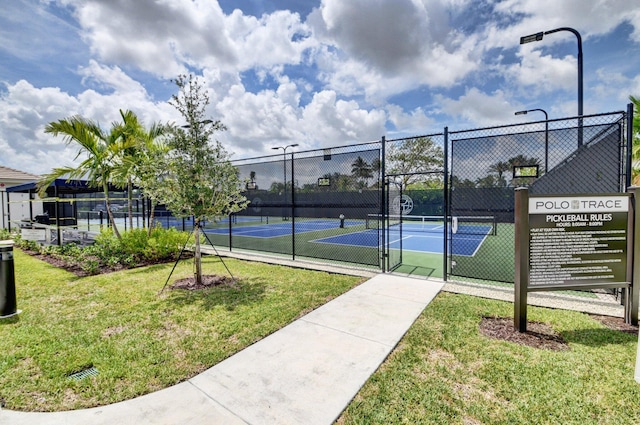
{"x": 573, "y": 242}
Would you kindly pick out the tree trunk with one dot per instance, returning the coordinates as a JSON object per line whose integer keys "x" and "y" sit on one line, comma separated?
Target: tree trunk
{"x": 130, "y": 202}
{"x": 105, "y": 190}
{"x": 152, "y": 217}
{"x": 197, "y": 258}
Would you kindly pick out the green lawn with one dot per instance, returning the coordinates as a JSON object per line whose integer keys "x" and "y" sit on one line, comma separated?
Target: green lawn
{"x": 444, "y": 371}
{"x": 139, "y": 340}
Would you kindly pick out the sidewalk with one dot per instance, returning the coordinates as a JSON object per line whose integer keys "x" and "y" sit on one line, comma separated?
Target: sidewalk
{"x": 305, "y": 373}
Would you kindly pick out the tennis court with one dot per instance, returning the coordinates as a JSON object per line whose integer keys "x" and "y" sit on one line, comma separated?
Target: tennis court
{"x": 420, "y": 234}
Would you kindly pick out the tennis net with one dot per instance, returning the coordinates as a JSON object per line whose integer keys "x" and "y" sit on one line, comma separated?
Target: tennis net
{"x": 464, "y": 225}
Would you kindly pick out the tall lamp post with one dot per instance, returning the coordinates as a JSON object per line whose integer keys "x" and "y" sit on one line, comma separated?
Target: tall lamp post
{"x": 546, "y": 134}
{"x": 284, "y": 163}
{"x": 537, "y": 37}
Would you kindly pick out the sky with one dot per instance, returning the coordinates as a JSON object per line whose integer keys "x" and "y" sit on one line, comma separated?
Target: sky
{"x": 320, "y": 73}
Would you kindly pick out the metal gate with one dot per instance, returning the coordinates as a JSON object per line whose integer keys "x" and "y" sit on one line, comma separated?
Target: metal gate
{"x": 392, "y": 224}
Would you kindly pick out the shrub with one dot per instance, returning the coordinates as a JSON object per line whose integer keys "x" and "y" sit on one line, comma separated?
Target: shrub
{"x": 135, "y": 247}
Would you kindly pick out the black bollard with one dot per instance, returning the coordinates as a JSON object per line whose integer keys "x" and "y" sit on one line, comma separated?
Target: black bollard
{"x": 8, "y": 305}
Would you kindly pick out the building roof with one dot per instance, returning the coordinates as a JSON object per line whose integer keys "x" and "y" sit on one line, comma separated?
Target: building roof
{"x": 7, "y": 173}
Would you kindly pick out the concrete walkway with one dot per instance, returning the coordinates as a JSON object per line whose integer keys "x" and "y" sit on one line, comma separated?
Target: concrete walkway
{"x": 305, "y": 373}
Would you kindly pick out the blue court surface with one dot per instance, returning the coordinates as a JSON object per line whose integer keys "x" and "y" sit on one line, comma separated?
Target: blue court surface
{"x": 464, "y": 245}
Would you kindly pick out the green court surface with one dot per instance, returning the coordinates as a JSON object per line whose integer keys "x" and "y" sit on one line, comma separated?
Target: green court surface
{"x": 494, "y": 260}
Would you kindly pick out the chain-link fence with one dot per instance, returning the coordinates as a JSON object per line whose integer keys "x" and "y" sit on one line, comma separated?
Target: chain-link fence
{"x": 312, "y": 204}
{"x": 441, "y": 203}
{"x": 578, "y": 155}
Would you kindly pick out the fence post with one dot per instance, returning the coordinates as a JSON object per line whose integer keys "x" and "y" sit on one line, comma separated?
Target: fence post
{"x": 293, "y": 210}
{"x": 633, "y": 294}
{"x": 383, "y": 207}
{"x": 521, "y": 258}
{"x": 629, "y": 145}
{"x": 445, "y": 247}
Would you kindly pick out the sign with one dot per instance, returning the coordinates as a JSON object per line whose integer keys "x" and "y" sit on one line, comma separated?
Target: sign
{"x": 525, "y": 171}
{"x": 577, "y": 240}
{"x": 324, "y": 181}
{"x": 33, "y": 234}
{"x": 573, "y": 242}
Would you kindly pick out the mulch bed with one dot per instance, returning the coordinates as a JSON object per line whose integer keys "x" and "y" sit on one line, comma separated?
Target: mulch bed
{"x": 616, "y": 323}
{"x": 541, "y": 335}
{"x": 208, "y": 281}
{"x": 538, "y": 335}
{"x": 102, "y": 269}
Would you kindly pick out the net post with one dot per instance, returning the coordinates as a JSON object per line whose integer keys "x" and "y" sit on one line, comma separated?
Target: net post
{"x": 521, "y": 258}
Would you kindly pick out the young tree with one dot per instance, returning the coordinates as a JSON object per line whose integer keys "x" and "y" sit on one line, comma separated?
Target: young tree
{"x": 202, "y": 182}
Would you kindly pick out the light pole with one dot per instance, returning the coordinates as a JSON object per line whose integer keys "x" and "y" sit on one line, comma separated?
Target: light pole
{"x": 537, "y": 37}
{"x": 546, "y": 134}
{"x": 284, "y": 163}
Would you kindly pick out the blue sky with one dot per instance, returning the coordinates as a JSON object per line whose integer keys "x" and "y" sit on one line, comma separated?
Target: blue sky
{"x": 318, "y": 73}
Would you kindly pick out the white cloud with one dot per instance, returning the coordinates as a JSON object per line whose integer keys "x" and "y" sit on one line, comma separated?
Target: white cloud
{"x": 334, "y": 122}
{"x": 390, "y": 47}
{"x": 544, "y": 73}
{"x": 166, "y": 38}
{"x": 480, "y": 108}
{"x": 411, "y": 122}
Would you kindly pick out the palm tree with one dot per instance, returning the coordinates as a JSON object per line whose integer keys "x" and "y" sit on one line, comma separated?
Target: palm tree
{"x": 128, "y": 133}
{"x": 100, "y": 149}
{"x": 145, "y": 163}
{"x": 500, "y": 168}
{"x": 360, "y": 169}
{"x": 140, "y": 154}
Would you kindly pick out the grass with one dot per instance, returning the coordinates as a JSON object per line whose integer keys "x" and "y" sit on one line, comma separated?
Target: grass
{"x": 139, "y": 340}
{"x": 445, "y": 371}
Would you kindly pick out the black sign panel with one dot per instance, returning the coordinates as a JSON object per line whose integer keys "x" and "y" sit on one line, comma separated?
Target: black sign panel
{"x": 577, "y": 241}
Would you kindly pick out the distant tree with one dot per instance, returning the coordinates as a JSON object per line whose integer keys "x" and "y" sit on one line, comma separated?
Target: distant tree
{"x": 466, "y": 183}
{"x": 202, "y": 181}
{"x": 414, "y": 156}
{"x": 488, "y": 181}
{"x": 376, "y": 169}
{"x": 361, "y": 171}
{"x": 500, "y": 168}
